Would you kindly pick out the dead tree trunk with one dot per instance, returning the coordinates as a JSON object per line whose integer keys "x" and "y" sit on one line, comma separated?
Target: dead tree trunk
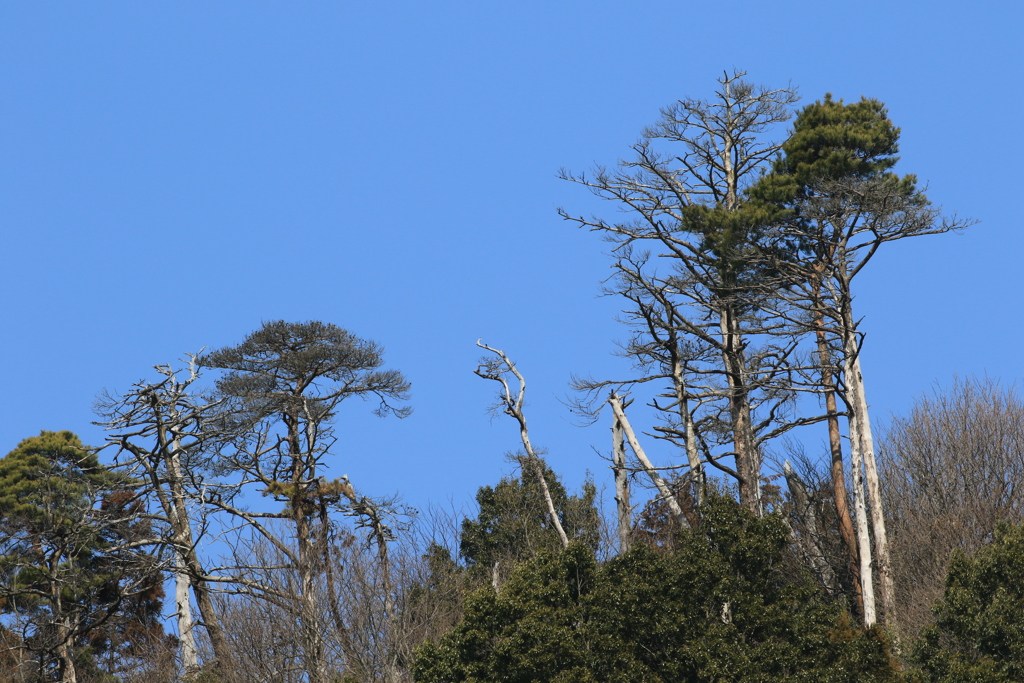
{"x": 625, "y": 512}
{"x": 496, "y": 369}
{"x": 857, "y": 463}
{"x": 181, "y": 530}
{"x": 865, "y": 447}
{"x": 692, "y": 452}
{"x": 652, "y": 472}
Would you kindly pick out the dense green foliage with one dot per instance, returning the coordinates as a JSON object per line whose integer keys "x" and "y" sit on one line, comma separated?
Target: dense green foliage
{"x": 979, "y": 634}
{"x": 45, "y": 481}
{"x": 833, "y": 140}
{"x": 718, "y": 608}
{"x": 51, "y": 555}
{"x": 67, "y": 576}
{"x": 513, "y": 525}
{"x": 832, "y": 144}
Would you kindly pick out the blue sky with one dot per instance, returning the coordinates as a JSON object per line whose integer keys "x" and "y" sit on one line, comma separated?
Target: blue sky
{"x": 173, "y": 174}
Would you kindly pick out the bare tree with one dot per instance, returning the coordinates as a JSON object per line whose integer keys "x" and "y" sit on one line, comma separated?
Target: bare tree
{"x": 281, "y": 389}
{"x": 952, "y": 468}
{"x": 697, "y": 303}
{"x": 667, "y": 494}
{"x": 511, "y": 403}
{"x": 159, "y": 430}
{"x": 388, "y": 587}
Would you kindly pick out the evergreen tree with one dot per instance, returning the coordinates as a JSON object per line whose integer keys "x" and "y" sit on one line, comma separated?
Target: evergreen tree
{"x": 719, "y": 608}
{"x": 281, "y": 388}
{"x": 513, "y": 523}
{"x": 69, "y": 557}
{"x": 843, "y": 203}
{"x": 979, "y": 636}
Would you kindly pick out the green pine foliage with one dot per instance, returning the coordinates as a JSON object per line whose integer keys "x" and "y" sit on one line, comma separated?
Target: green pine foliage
{"x": 64, "y": 519}
{"x": 718, "y": 608}
{"x": 48, "y": 486}
{"x": 44, "y": 481}
{"x": 832, "y": 141}
{"x": 979, "y": 633}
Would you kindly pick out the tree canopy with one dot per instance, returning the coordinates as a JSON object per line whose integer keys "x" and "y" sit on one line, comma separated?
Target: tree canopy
{"x": 70, "y": 554}
{"x": 719, "y": 608}
{"x": 979, "y": 635}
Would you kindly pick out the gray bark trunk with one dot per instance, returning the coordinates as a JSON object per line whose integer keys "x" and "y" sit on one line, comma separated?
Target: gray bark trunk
{"x": 183, "y": 608}
{"x": 748, "y": 459}
{"x": 181, "y": 531}
{"x": 692, "y": 454}
{"x": 625, "y": 512}
{"x": 666, "y": 492}
{"x": 855, "y": 387}
{"x": 860, "y": 508}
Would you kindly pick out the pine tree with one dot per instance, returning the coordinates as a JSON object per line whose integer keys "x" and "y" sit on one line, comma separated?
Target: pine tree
{"x": 67, "y": 558}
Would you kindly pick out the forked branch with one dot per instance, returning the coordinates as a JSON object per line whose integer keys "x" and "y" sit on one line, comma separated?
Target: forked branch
{"x": 511, "y": 403}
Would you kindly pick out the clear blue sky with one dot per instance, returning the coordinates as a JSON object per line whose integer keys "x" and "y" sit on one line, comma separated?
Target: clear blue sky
{"x": 174, "y": 173}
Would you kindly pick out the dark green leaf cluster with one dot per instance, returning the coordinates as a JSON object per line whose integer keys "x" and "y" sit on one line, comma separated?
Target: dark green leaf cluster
{"x": 835, "y": 145}
{"x": 513, "y": 524}
{"x": 832, "y": 140}
{"x": 63, "y": 566}
{"x": 979, "y": 633}
{"x": 49, "y": 486}
{"x": 307, "y": 367}
{"x": 719, "y": 608}
{"x": 46, "y": 481}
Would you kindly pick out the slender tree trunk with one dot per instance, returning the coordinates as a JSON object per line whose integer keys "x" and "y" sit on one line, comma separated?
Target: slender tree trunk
{"x": 201, "y": 589}
{"x": 309, "y": 622}
{"x": 392, "y": 671}
{"x": 514, "y": 407}
{"x": 666, "y": 492}
{"x": 312, "y": 631}
{"x": 64, "y": 650}
{"x": 65, "y": 656}
{"x": 748, "y": 460}
{"x": 855, "y": 386}
{"x": 302, "y": 512}
{"x": 846, "y": 530}
{"x": 183, "y": 610}
{"x": 181, "y": 533}
{"x": 534, "y": 462}
{"x": 548, "y": 501}
{"x": 190, "y": 573}
{"x": 857, "y": 462}
{"x": 692, "y": 453}
{"x": 625, "y": 512}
